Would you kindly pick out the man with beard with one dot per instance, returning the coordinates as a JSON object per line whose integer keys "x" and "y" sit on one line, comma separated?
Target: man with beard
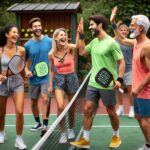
{"x": 105, "y": 52}
{"x": 37, "y": 49}
{"x": 140, "y": 69}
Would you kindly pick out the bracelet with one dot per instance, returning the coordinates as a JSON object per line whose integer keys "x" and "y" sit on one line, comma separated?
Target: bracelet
{"x": 114, "y": 26}
{"x": 120, "y": 80}
{"x": 81, "y": 36}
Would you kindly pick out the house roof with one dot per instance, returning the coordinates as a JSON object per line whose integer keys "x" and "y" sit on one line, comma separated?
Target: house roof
{"x": 45, "y": 7}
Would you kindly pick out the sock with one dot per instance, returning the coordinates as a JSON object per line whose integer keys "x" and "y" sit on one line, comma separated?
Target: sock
{"x": 131, "y": 108}
{"x": 45, "y": 122}
{"x": 116, "y": 133}
{"x": 121, "y": 107}
{"x": 148, "y": 145}
{"x": 19, "y": 136}
{"x": 86, "y": 134}
{"x": 37, "y": 119}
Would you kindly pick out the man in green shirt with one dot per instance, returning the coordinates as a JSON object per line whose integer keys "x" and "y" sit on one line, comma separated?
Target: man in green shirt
{"x": 105, "y": 52}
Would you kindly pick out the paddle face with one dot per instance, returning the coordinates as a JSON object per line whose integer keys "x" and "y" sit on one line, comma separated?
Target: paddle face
{"x": 104, "y": 77}
{"x": 16, "y": 65}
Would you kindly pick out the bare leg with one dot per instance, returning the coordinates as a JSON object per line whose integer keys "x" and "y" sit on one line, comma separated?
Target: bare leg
{"x": 44, "y": 105}
{"x": 113, "y": 117}
{"x": 18, "y": 98}
{"x": 60, "y": 104}
{"x": 3, "y": 102}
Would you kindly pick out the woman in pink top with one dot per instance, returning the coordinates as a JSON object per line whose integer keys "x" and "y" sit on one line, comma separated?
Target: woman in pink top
{"x": 63, "y": 77}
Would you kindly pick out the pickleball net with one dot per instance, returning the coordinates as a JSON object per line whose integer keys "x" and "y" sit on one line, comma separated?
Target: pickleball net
{"x": 50, "y": 141}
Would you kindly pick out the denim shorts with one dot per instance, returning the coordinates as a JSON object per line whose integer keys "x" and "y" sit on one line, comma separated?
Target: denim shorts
{"x": 36, "y": 90}
{"x": 12, "y": 84}
{"x": 108, "y": 97}
{"x": 67, "y": 82}
{"x": 142, "y": 107}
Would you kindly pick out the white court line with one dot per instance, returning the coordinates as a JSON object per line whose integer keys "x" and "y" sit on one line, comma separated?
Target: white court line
{"x": 94, "y": 126}
{"x": 109, "y": 126}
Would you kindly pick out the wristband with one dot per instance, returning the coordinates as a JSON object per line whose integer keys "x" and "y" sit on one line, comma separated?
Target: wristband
{"x": 114, "y": 26}
{"x": 120, "y": 80}
{"x": 81, "y": 36}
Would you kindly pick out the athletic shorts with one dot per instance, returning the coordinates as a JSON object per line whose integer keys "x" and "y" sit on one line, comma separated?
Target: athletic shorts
{"x": 67, "y": 82}
{"x": 142, "y": 107}
{"x": 108, "y": 97}
{"x": 12, "y": 84}
{"x": 36, "y": 90}
{"x": 127, "y": 78}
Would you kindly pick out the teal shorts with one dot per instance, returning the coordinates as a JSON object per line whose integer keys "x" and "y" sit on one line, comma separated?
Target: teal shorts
{"x": 142, "y": 107}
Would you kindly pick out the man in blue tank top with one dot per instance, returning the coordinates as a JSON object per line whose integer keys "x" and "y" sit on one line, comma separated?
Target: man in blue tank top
{"x": 37, "y": 49}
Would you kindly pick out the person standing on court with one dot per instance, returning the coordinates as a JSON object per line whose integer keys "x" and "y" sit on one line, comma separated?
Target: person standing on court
{"x": 63, "y": 78}
{"x": 37, "y": 49}
{"x": 140, "y": 69}
{"x": 105, "y": 52}
{"x": 127, "y": 77}
{"x": 12, "y": 84}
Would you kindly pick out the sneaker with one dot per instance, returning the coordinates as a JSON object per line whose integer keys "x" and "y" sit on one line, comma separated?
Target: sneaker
{"x": 63, "y": 138}
{"x": 144, "y": 147}
{"x": 20, "y": 144}
{"x": 82, "y": 143}
{"x": 120, "y": 112}
{"x": 44, "y": 130}
{"x": 2, "y": 137}
{"x": 116, "y": 141}
{"x": 71, "y": 134}
{"x": 36, "y": 127}
{"x": 131, "y": 113}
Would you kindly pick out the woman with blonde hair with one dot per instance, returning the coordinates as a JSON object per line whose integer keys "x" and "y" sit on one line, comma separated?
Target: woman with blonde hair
{"x": 63, "y": 78}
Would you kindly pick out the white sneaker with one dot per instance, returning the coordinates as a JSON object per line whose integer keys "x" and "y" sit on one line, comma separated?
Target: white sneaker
{"x": 63, "y": 138}
{"x": 36, "y": 127}
{"x": 131, "y": 113}
{"x": 20, "y": 143}
{"x": 144, "y": 147}
{"x": 2, "y": 137}
{"x": 71, "y": 134}
{"x": 120, "y": 112}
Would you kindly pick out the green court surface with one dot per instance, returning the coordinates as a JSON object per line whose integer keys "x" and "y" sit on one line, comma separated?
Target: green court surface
{"x": 101, "y": 133}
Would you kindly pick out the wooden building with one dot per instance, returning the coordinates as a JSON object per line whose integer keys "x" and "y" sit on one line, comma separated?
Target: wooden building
{"x": 53, "y": 15}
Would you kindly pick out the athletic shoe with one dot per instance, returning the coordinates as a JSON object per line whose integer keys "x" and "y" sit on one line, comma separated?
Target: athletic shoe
{"x": 20, "y": 144}
{"x": 131, "y": 113}
{"x": 115, "y": 142}
{"x": 63, "y": 138}
{"x": 44, "y": 130}
{"x": 120, "y": 112}
{"x": 71, "y": 134}
{"x": 2, "y": 137}
{"x": 82, "y": 143}
{"x": 36, "y": 127}
{"x": 144, "y": 147}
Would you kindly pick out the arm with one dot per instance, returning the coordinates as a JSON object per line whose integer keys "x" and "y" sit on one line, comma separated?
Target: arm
{"x": 146, "y": 60}
{"x": 121, "y": 70}
{"x": 50, "y": 89}
{"x": 80, "y": 41}
{"x": 118, "y": 34}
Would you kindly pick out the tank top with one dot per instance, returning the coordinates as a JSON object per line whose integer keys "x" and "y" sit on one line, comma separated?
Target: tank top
{"x": 5, "y": 60}
{"x": 64, "y": 65}
{"x": 139, "y": 72}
